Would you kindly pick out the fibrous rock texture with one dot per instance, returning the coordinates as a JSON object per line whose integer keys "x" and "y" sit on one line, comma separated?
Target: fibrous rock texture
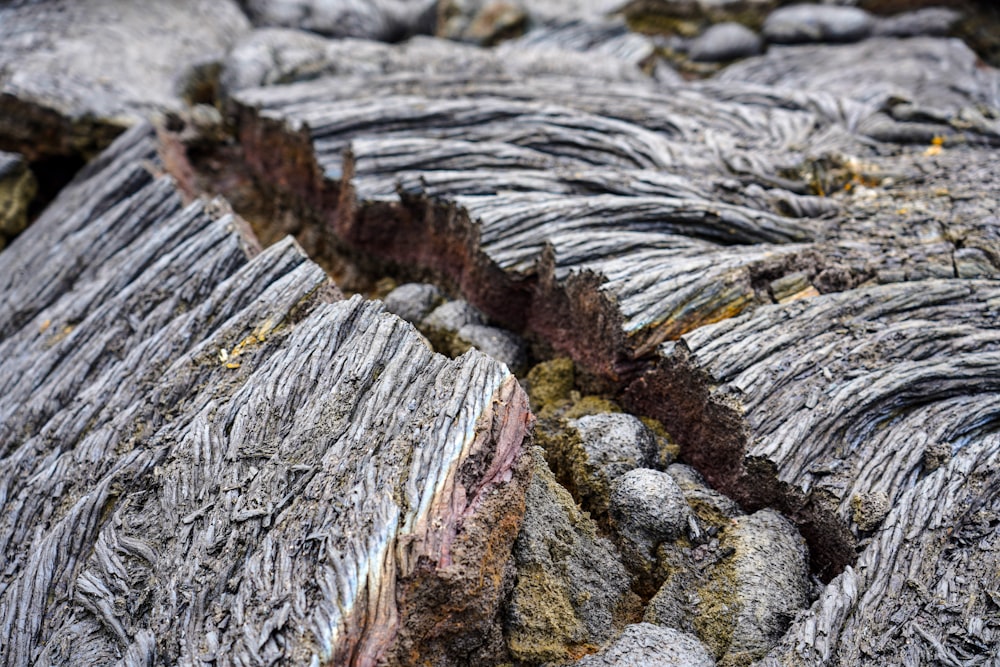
{"x": 208, "y": 456}
{"x": 782, "y": 273}
{"x": 682, "y": 239}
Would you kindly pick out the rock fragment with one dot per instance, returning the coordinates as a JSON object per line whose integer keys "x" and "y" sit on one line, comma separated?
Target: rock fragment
{"x": 817, "y": 23}
{"x": 74, "y": 74}
{"x": 755, "y": 591}
{"x": 572, "y": 587}
{"x": 17, "y": 189}
{"x": 647, "y": 507}
{"x": 596, "y": 451}
{"x": 647, "y": 645}
{"x": 504, "y": 346}
{"x": 725, "y": 41}
{"x": 413, "y": 301}
{"x": 382, "y": 20}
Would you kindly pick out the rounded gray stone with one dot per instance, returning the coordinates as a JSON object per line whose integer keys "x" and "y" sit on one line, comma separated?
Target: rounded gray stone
{"x": 413, "y": 301}
{"x": 817, "y": 23}
{"x": 504, "y": 346}
{"x": 725, "y": 41}
{"x": 452, "y": 316}
{"x": 647, "y": 645}
{"x": 647, "y": 506}
{"x": 615, "y": 443}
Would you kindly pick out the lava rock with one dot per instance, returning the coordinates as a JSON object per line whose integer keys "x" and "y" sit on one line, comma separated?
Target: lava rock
{"x": 725, "y": 41}
{"x": 710, "y": 506}
{"x": 647, "y": 645}
{"x": 571, "y": 584}
{"x": 17, "y": 189}
{"x": 74, "y": 75}
{"x": 606, "y": 447}
{"x": 504, "y": 346}
{"x": 936, "y": 21}
{"x": 752, "y": 595}
{"x": 817, "y": 23}
{"x": 647, "y": 507}
{"x": 452, "y": 316}
{"x": 413, "y": 301}
{"x": 384, "y": 20}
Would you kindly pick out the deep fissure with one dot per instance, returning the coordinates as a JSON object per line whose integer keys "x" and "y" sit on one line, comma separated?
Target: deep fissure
{"x": 415, "y": 237}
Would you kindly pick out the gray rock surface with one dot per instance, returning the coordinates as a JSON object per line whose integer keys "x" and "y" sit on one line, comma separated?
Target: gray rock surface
{"x": 725, "y": 41}
{"x": 753, "y": 594}
{"x": 384, "y": 20}
{"x": 270, "y": 56}
{"x": 571, "y": 584}
{"x": 608, "y": 446}
{"x": 710, "y": 506}
{"x": 647, "y": 507}
{"x": 452, "y": 316}
{"x": 647, "y": 645}
{"x": 413, "y": 301}
{"x": 937, "y": 21}
{"x": 75, "y": 73}
{"x": 817, "y": 23}
{"x": 504, "y": 346}
{"x": 208, "y": 455}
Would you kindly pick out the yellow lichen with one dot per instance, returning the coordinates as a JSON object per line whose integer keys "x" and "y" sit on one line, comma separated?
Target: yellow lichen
{"x": 550, "y": 382}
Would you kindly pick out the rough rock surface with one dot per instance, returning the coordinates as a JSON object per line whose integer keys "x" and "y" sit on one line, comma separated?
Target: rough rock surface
{"x": 817, "y": 23}
{"x": 504, "y": 346}
{"x": 572, "y": 589}
{"x": 791, "y": 266}
{"x": 643, "y": 645}
{"x": 647, "y": 507}
{"x": 725, "y": 41}
{"x": 413, "y": 301}
{"x": 17, "y": 189}
{"x": 75, "y": 73}
{"x": 599, "y": 449}
{"x": 755, "y": 590}
{"x": 273, "y": 56}
{"x": 384, "y": 20}
{"x": 204, "y": 460}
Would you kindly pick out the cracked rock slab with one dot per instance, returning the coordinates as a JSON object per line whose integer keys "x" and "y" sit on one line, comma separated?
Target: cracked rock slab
{"x": 302, "y": 478}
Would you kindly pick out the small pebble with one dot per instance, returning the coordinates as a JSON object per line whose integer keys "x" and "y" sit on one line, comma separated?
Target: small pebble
{"x": 723, "y": 42}
{"x": 413, "y": 301}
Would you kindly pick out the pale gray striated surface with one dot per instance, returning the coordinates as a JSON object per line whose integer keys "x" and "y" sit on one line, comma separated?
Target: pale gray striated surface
{"x": 882, "y": 376}
{"x": 204, "y": 459}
